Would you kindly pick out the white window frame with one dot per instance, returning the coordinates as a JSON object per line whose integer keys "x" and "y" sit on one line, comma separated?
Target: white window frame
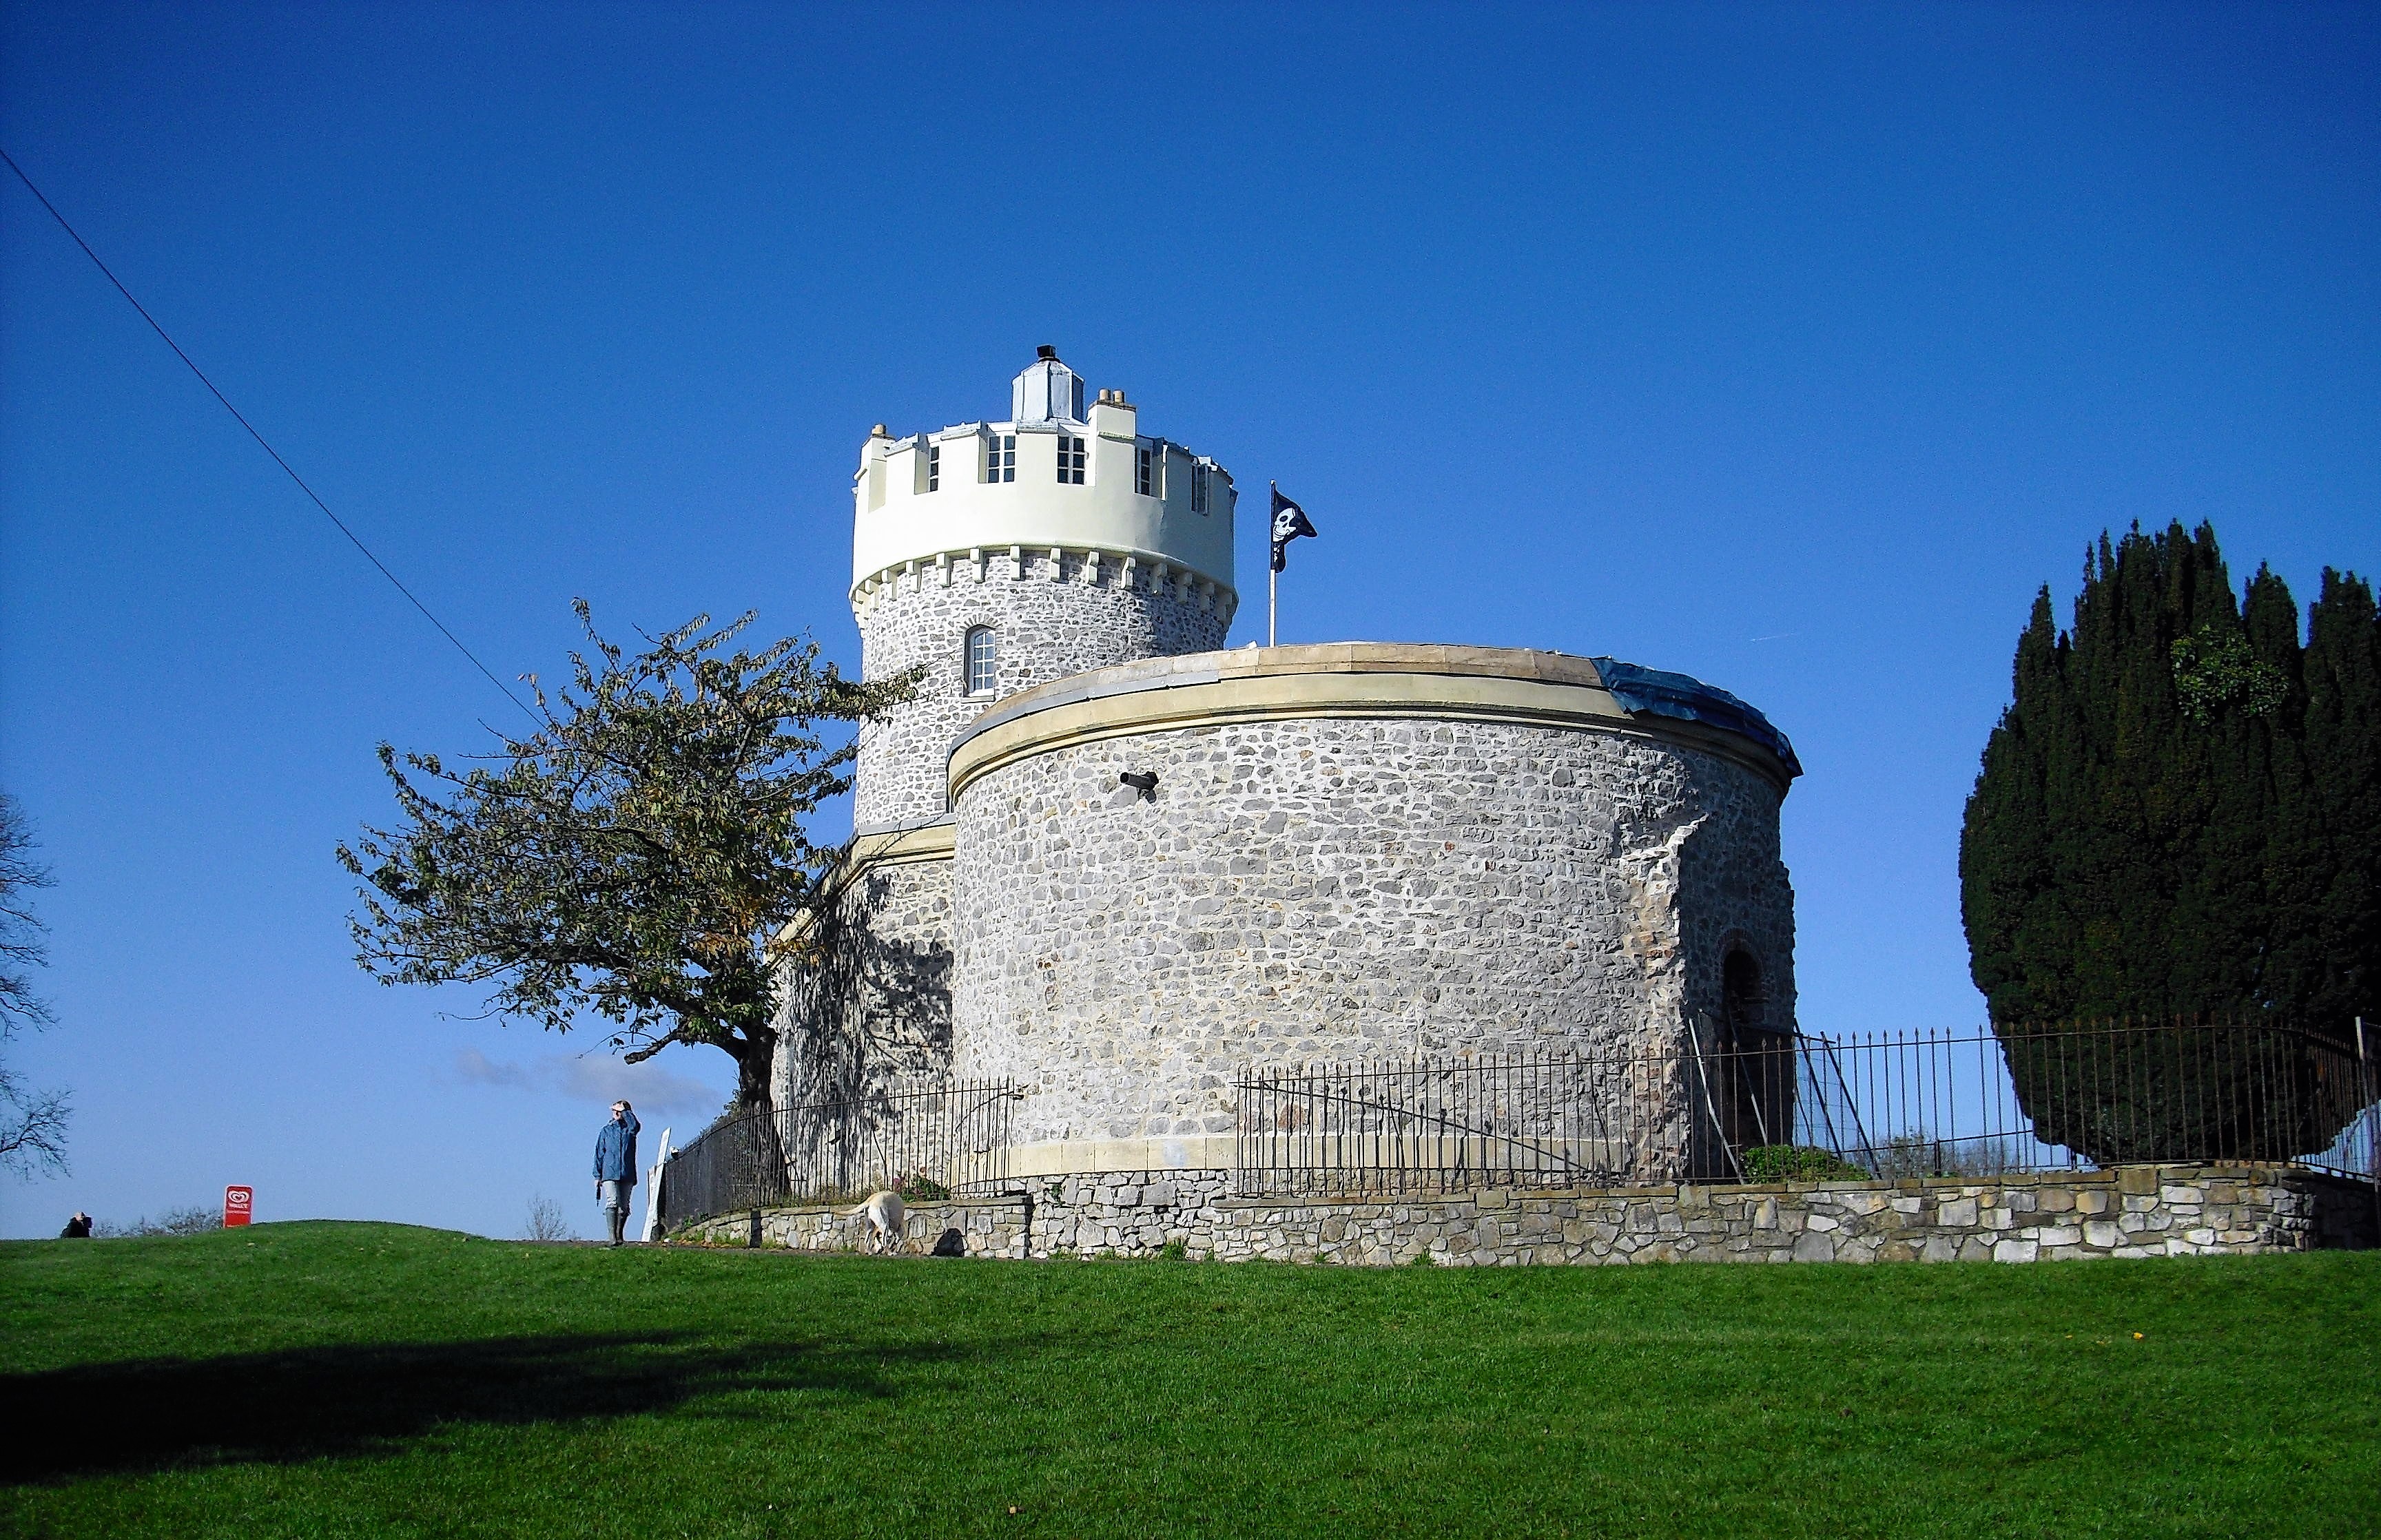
{"x": 1000, "y": 456}
{"x": 981, "y": 660}
{"x": 1145, "y": 470}
{"x": 1071, "y": 460}
{"x": 933, "y": 467}
{"x": 1198, "y": 487}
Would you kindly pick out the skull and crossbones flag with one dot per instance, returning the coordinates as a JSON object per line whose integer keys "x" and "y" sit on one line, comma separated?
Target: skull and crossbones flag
{"x": 1289, "y": 521}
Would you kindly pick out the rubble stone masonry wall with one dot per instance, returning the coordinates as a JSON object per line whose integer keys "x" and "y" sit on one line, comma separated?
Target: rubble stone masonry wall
{"x": 1326, "y": 888}
{"x": 1049, "y": 619}
{"x": 2136, "y": 1211}
{"x": 868, "y": 1002}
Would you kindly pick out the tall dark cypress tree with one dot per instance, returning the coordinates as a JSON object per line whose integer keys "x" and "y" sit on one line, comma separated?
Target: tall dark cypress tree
{"x": 2180, "y": 816}
{"x": 2341, "y": 969}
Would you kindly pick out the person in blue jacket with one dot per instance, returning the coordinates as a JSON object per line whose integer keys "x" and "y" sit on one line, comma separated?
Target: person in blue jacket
{"x": 615, "y": 1168}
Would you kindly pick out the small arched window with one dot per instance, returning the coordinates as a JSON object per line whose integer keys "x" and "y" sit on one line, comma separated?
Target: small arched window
{"x": 983, "y": 662}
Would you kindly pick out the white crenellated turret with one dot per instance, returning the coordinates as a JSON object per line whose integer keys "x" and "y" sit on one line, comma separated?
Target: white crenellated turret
{"x": 1002, "y": 555}
{"x": 1050, "y": 476}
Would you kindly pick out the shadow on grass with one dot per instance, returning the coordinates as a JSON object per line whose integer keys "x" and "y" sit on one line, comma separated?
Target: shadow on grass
{"x": 308, "y": 1402}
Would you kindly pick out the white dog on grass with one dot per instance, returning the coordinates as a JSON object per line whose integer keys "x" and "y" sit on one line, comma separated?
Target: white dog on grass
{"x": 886, "y": 1217}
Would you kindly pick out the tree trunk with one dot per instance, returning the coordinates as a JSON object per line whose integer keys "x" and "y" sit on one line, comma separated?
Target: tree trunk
{"x": 754, "y": 1062}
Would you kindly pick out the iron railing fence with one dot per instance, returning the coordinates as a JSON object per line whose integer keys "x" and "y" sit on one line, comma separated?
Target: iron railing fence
{"x": 924, "y": 1141}
{"x": 1717, "y": 1107}
{"x": 1430, "y": 1124}
{"x": 1630, "y": 1115}
{"x": 2098, "y": 1094}
{"x": 1755, "y": 1106}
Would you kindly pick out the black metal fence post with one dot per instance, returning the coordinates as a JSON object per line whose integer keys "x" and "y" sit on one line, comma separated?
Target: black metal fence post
{"x": 2370, "y": 1076}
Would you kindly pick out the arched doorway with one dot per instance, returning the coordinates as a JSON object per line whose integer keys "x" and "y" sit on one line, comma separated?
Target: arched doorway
{"x": 1758, "y": 1059}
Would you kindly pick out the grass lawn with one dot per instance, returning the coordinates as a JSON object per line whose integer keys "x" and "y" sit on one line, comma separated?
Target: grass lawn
{"x": 332, "y": 1379}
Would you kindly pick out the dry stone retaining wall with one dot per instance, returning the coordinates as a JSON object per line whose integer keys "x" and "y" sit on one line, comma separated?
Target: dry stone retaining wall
{"x": 2140, "y": 1211}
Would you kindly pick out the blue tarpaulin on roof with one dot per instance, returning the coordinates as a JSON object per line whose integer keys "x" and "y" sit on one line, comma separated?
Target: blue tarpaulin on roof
{"x": 1677, "y": 694}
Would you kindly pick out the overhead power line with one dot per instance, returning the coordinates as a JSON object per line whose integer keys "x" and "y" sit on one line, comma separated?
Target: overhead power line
{"x": 341, "y": 524}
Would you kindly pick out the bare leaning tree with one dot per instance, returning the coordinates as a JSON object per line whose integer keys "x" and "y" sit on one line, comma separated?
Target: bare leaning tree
{"x": 33, "y": 1123}
{"x": 635, "y": 857}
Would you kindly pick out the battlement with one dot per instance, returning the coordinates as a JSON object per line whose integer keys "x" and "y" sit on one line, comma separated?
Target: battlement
{"x": 1059, "y": 475}
{"x": 1127, "y": 571}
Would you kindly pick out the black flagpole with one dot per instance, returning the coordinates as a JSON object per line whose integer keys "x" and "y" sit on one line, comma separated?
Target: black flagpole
{"x": 1273, "y": 576}
{"x": 1280, "y": 537}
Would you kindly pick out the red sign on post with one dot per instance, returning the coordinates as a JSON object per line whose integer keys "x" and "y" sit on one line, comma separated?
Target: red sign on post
{"x": 237, "y": 1202}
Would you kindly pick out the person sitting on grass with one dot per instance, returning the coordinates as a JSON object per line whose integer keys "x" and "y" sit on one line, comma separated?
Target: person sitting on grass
{"x": 615, "y": 1168}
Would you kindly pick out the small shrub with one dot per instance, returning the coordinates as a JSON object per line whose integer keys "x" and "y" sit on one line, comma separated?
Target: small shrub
{"x": 173, "y": 1222}
{"x": 1798, "y": 1163}
{"x": 546, "y": 1221}
{"x": 1176, "y": 1250}
{"x": 1422, "y": 1259}
{"x": 918, "y": 1187}
{"x": 1915, "y": 1154}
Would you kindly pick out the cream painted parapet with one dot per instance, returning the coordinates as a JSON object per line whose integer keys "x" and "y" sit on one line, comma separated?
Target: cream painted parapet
{"x": 1057, "y": 477}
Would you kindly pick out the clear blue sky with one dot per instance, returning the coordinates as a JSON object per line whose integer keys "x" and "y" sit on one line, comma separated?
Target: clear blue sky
{"x": 1790, "y": 347}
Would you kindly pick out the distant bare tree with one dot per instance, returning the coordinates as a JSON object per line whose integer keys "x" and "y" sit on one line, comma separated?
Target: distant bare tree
{"x": 33, "y": 1129}
{"x": 194, "y": 1220}
{"x": 546, "y": 1221}
{"x": 34, "y": 1125}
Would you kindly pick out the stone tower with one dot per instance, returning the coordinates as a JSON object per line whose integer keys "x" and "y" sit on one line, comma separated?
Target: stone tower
{"x": 1002, "y": 555}
{"x": 997, "y": 555}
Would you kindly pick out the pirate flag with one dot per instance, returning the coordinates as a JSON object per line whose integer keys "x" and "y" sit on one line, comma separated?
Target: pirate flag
{"x": 1288, "y": 523}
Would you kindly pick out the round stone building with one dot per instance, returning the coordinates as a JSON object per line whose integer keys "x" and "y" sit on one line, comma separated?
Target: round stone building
{"x": 1106, "y": 861}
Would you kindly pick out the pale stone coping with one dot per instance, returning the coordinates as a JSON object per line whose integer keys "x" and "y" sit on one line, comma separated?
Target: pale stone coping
{"x": 1145, "y": 674}
{"x": 922, "y": 1206}
{"x": 1176, "y": 1152}
{"x": 900, "y": 845}
{"x": 1507, "y": 1197}
{"x": 1332, "y": 679}
{"x": 2146, "y": 1179}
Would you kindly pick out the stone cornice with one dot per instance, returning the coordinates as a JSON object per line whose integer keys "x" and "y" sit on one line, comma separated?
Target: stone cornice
{"x": 1334, "y": 680}
{"x": 897, "y": 847}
